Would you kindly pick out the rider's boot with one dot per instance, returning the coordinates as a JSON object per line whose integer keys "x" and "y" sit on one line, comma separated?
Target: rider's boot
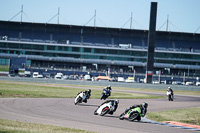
{"x": 139, "y": 118}
{"x": 111, "y": 113}
{"x": 85, "y": 100}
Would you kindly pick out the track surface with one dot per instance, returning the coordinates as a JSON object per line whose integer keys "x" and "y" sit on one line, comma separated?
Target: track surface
{"x": 63, "y": 112}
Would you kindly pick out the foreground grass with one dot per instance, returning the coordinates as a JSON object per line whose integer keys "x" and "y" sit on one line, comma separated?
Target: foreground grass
{"x": 40, "y": 90}
{"x": 189, "y": 116}
{"x": 7, "y": 126}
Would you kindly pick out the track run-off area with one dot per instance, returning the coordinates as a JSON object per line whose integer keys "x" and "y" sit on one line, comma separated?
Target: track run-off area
{"x": 63, "y": 112}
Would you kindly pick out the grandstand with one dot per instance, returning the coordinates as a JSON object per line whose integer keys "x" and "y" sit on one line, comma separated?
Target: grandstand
{"x": 70, "y": 48}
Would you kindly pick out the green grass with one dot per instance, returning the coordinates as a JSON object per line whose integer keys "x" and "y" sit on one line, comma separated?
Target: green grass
{"x": 40, "y": 90}
{"x": 189, "y": 116}
{"x": 4, "y": 68}
{"x": 7, "y": 126}
{"x": 120, "y": 95}
{"x": 196, "y": 93}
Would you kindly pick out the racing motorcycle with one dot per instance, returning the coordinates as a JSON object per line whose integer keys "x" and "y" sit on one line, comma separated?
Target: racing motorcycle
{"x": 131, "y": 114}
{"x": 105, "y": 94}
{"x": 104, "y": 109}
{"x": 80, "y": 98}
{"x": 170, "y": 96}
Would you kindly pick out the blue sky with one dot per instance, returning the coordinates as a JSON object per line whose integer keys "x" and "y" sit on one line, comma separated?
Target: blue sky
{"x": 184, "y": 15}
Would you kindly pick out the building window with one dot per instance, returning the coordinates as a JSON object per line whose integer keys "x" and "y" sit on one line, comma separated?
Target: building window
{"x": 88, "y": 50}
{"x": 50, "y": 47}
{"x": 75, "y": 49}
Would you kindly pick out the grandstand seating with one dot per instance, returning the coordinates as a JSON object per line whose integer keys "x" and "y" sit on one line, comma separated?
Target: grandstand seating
{"x": 57, "y": 36}
{"x": 97, "y": 36}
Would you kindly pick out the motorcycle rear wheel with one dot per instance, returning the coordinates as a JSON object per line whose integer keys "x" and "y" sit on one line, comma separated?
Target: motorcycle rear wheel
{"x": 133, "y": 116}
{"x": 170, "y": 98}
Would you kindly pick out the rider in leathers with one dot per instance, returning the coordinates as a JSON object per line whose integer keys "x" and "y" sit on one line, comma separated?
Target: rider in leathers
{"x": 143, "y": 108}
{"x": 108, "y": 89}
{"x": 87, "y": 93}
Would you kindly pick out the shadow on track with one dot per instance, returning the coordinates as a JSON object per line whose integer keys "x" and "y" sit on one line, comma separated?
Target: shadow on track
{"x": 87, "y": 105}
{"x": 111, "y": 116}
{"x": 135, "y": 121}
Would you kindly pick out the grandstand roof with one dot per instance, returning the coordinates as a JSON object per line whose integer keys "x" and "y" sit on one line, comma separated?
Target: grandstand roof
{"x": 45, "y": 27}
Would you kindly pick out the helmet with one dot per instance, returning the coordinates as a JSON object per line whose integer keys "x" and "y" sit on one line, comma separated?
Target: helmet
{"x": 117, "y": 101}
{"x": 145, "y": 105}
{"x": 89, "y": 90}
{"x": 169, "y": 87}
{"x": 109, "y": 87}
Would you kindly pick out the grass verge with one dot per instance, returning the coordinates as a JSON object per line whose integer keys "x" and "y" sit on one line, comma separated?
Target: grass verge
{"x": 189, "y": 116}
{"x": 8, "y": 126}
{"x": 4, "y": 68}
{"x": 40, "y": 90}
{"x": 163, "y": 91}
{"x": 195, "y": 93}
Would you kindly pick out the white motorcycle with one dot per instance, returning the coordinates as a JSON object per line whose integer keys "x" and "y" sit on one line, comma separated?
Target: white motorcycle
{"x": 104, "y": 109}
{"x": 80, "y": 98}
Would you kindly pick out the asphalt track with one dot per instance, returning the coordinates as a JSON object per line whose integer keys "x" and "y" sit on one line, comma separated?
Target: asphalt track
{"x": 63, "y": 112}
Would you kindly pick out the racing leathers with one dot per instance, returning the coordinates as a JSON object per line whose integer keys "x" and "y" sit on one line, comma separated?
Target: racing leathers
{"x": 87, "y": 93}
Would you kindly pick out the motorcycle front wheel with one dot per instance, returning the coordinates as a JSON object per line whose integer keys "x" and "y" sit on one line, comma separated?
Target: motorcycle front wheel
{"x": 78, "y": 100}
{"x": 121, "y": 117}
{"x": 102, "y": 96}
{"x": 104, "y": 111}
{"x": 95, "y": 112}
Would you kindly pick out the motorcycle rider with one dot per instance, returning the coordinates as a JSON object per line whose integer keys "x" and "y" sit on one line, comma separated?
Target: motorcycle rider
{"x": 114, "y": 103}
{"x": 170, "y": 91}
{"x": 87, "y": 93}
{"x": 143, "y": 108}
{"x": 106, "y": 92}
{"x": 108, "y": 89}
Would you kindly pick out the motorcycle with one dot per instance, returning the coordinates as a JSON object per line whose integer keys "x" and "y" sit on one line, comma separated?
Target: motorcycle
{"x": 80, "y": 98}
{"x": 104, "y": 109}
{"x": 131, "y": 114}
{"x": 170, "y": 96}
{"x": 105, "y": 94}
